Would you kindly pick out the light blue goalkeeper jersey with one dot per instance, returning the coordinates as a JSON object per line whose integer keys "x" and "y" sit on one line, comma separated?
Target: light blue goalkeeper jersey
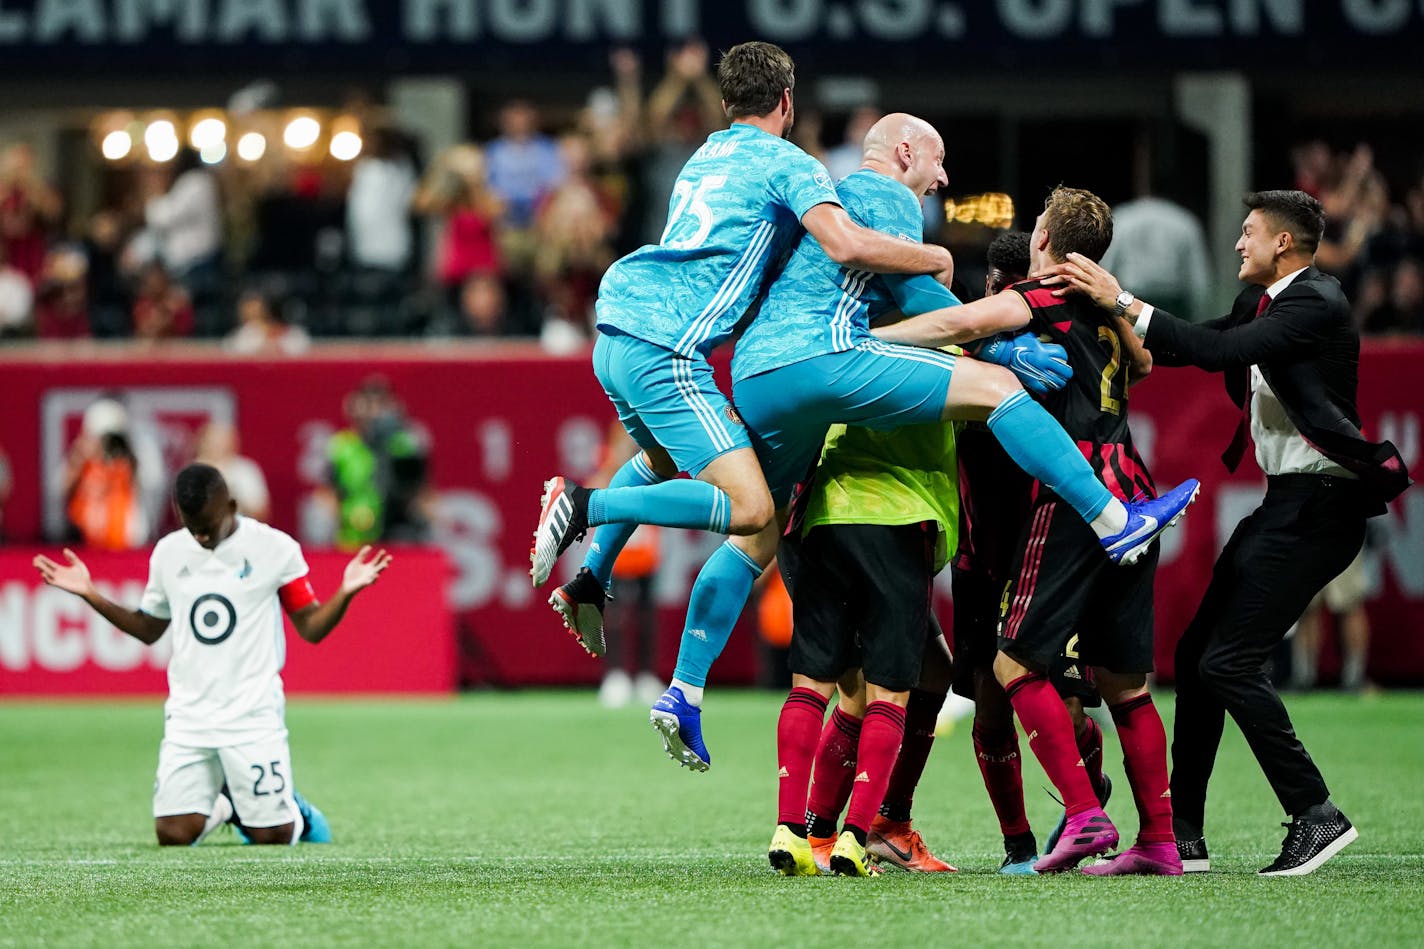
{"x": 737, "y": 204}
{"x": 816, "y": 306}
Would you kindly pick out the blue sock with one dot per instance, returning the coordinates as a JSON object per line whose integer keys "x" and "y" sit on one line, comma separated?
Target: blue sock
{"x": 721, "y": 590}
{"x": 609, "y": 540}
{"x": 684, "y": 502}
{"x": 1038, "y": 445}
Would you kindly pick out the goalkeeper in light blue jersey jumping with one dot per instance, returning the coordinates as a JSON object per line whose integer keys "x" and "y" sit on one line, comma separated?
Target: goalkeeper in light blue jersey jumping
{"x": 740, "y": 202}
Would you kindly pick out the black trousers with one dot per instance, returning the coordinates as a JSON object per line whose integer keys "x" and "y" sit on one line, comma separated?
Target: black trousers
{"x": 1306, "y": 531}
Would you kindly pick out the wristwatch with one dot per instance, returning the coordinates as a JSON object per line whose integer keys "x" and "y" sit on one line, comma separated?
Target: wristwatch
{"x": 1124, "y": 300}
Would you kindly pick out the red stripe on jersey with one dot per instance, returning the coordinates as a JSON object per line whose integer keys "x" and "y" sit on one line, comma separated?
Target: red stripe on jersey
{"x": 297, "y": 595}
{"x": 1063, "y": 327}
{"x": 1042, "y": 297}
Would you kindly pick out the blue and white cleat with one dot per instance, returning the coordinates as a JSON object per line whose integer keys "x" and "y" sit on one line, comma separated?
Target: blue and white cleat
{"x": 680, "y": 724}
{"x": 1146, "y": 520}
{"x": 1020, "y": 854}
{"x": 315, "y": 828}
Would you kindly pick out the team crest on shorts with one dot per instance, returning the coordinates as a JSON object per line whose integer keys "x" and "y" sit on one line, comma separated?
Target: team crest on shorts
{"x": 732, "y": 416}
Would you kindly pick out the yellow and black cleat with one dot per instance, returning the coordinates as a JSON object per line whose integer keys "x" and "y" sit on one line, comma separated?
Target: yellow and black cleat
{"x": 791, "y": 855}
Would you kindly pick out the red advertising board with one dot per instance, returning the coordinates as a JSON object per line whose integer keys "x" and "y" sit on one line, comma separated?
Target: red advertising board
{"x": 396, "y": 638}
{"x": 503, "y": 418}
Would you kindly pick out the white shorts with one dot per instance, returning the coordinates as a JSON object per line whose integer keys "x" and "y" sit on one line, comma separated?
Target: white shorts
{"x": 258, "y": 775}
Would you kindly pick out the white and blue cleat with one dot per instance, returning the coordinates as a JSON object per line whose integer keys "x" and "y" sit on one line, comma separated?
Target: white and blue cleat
{"x": 680, "y": 724}
{"x": 1147, "y": 520}
{"x": 315, "y": 828}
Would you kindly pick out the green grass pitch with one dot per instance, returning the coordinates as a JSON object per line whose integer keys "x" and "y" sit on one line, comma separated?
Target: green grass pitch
{"x": 540, "y": 819}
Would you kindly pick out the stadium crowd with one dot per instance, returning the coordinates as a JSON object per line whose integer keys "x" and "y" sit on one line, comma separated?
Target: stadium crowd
{"x": 519, "y": 228}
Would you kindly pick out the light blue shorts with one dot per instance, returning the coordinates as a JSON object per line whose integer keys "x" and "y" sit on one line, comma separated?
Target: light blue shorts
{"x": 667, "y": 400}
{"x": 876, "y": 385}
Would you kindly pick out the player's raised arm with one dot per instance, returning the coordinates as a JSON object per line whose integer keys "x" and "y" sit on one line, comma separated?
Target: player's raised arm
{"x": 314, "y": 620}
{"x": 863, "y": 248}
{"x": 74, "y": 577}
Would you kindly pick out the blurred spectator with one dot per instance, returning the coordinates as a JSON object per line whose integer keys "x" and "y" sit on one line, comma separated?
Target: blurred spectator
{"x": 377, "y": 471}
{"x": 107, "y": 290}
{"x": 456, "y": 187}
{"x": 845, "y": 158}
{"x": 1314, "y": 166}
{"x": 161, "y": 308}
{"x": 483, "y": 309}
{"x": 611, "y": 121}
{"x": 102, "y": 491}
{"x": 218, "y": 446}
{"x": 378, "y": 204}
{"x": 262, "y": 328}
{"x": 1356, "y": 202}
{"x": 574, "y": 230}
{"x": 683, "y": 109}
{"x": 62, "y": 305}
{"x": 524, "y": 164}
{"x": 1393, "y": 303}
{"x": 17, "y": 300}
{"x": 183, "y": 214}
{"x": 1159, "y": 250}
{"x": 28, "y": 209}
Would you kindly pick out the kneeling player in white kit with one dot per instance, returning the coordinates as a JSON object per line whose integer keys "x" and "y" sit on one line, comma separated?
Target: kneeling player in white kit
{"x": 222, "y": 583}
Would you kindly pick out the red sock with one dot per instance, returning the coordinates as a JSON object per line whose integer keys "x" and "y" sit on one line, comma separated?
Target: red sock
{"x": 835, "y": 766}
{"x": 1090, "y": 749}
{"x": 880, "y": 736}
{"x": 1050, "y": 736}
{"x": 1002, "y": 768}
{"x": 796, "y": 733}
{"x": 920, "y": 716}
{"x": 1144, "y": 756}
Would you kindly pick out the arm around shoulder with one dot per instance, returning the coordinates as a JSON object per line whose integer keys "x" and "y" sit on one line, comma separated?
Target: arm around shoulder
{"x": 862, "y": 248}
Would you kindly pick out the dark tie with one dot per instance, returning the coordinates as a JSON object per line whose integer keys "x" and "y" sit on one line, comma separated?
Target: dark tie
{"x": 1237, "y": 449}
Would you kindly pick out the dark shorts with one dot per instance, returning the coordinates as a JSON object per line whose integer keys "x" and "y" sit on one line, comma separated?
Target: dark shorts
{"x": 1066, "y": 599}
{"x": 861, "y": 595}
{"x": 978, "y": 602}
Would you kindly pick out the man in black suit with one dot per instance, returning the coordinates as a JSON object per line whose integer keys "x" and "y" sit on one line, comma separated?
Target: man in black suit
{"x": 1291, "y": 357}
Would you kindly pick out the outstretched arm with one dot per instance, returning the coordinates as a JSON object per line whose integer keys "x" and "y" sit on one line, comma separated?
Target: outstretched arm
{"x": 863, "y": 248}
{"x": 74, "y": 577}
{"x": 315, "y": 620}
{"x": 956, "y": 325}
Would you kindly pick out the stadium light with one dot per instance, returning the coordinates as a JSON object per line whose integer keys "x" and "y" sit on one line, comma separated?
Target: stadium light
{"x": 213, "y": 153}
{"x": 207, "y": 133}
{"x": 302, "y": 133}
{"x": 252, "y": 146}
{"x": 161, "y": 140}
{"x": 345, "y": 146}
{"x": 116, "y": 145}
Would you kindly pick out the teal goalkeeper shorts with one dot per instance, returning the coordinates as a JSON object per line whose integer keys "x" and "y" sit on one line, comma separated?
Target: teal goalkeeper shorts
{"x": 667, "y": 400}
{"x": 876, "y": 385}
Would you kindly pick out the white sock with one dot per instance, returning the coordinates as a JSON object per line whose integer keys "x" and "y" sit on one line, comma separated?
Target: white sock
{"x": 222, "y": 810}
{"x": 1110, "y": 520}
{"x": 693, "y": 693}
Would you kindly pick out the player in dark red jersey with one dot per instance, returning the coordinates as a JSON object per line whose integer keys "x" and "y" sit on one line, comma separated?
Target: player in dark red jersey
{"x": 995, "y": 499}
{"x": 1058, "y": 583}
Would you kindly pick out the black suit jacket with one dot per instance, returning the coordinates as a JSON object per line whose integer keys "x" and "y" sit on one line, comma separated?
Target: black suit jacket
{"x": 1308, "y": 350}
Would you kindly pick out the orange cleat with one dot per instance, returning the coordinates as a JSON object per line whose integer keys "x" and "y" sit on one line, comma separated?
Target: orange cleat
{"x": 821, "y": 848}
{"x": 898, "y": 844}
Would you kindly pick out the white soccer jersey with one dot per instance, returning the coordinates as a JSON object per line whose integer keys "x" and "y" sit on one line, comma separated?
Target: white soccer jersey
{"x": 224, "y": 680}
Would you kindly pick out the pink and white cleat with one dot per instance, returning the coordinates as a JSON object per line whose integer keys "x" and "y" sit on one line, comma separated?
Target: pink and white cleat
{"x": 1141, "y": 859}
{"x": 1086, "y": 834}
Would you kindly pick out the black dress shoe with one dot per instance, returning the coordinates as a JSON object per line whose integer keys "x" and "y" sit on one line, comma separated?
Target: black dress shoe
{"x": 1193, "y": 854}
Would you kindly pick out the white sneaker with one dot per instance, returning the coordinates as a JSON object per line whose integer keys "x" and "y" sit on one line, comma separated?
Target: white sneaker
{"x": 648, "y": 687}
{"x": 616, "y": 690}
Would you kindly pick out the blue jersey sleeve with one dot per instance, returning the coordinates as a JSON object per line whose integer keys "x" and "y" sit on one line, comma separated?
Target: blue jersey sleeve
{"x": 919, "y": 293}
{"x": 800, "y": 182}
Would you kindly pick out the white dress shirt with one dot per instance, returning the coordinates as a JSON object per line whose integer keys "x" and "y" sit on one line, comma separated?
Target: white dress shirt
{"x": 1280, "y": 448}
